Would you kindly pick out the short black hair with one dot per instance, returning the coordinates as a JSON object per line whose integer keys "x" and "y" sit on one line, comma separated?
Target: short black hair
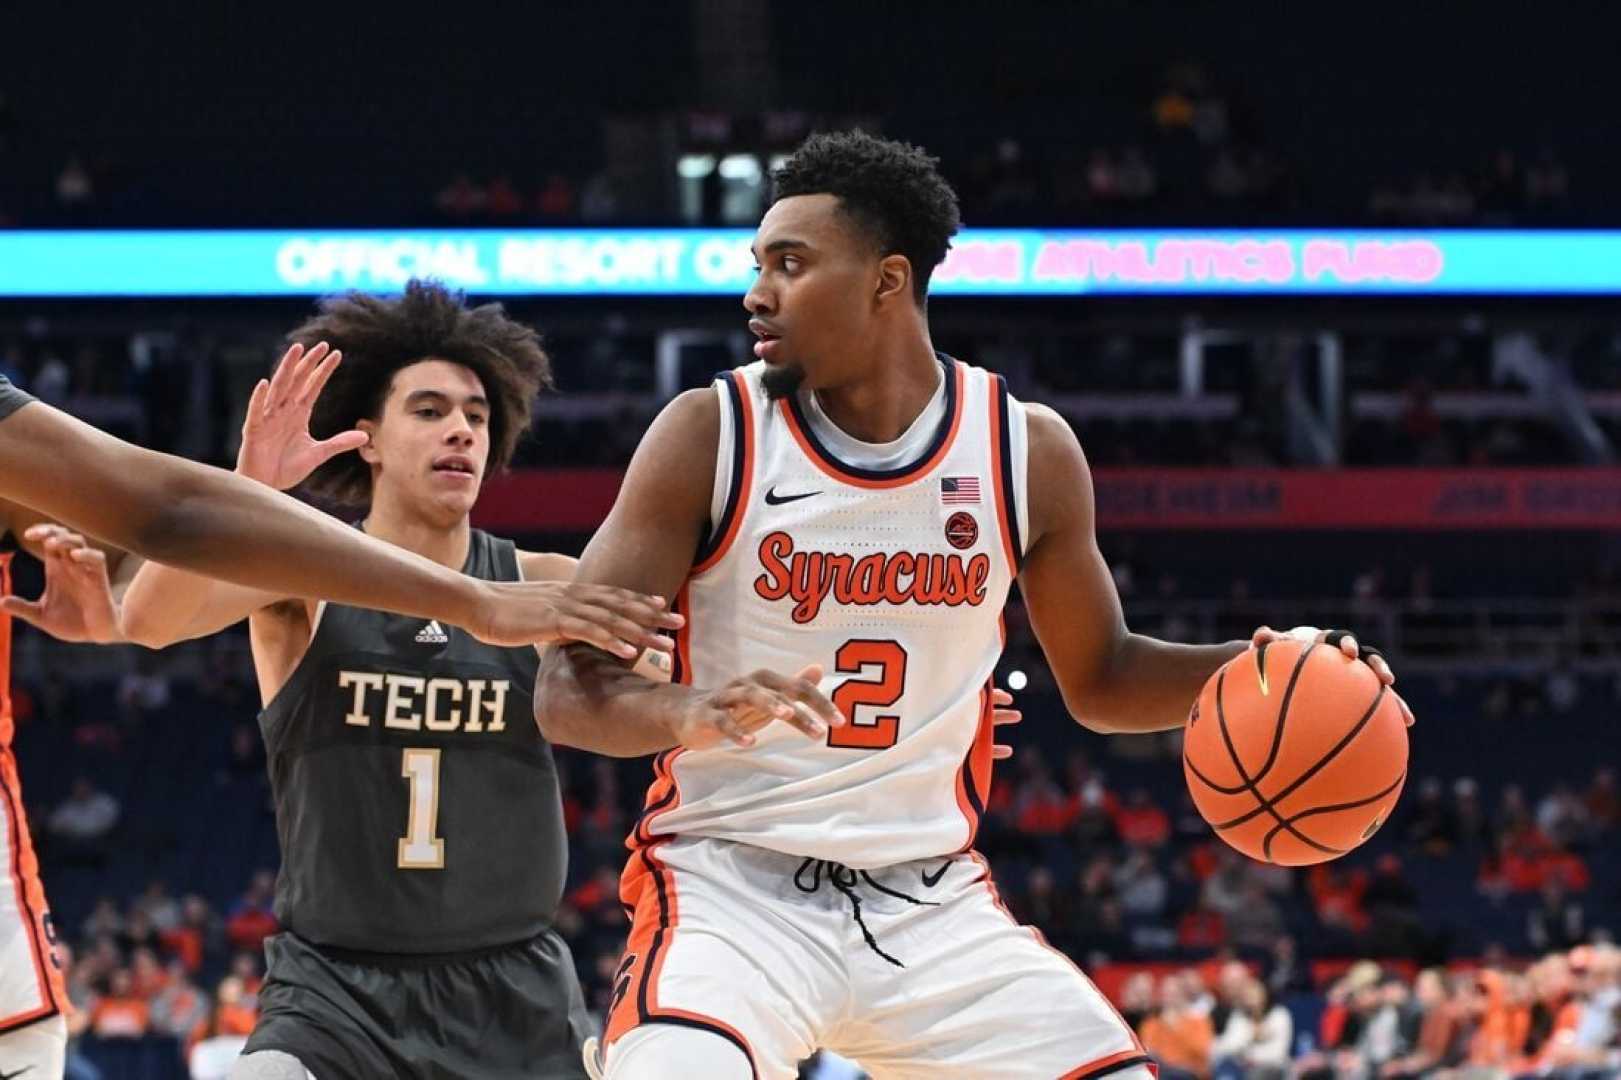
{"x": 892, "y": 189}
{"x": 379, "y": 335}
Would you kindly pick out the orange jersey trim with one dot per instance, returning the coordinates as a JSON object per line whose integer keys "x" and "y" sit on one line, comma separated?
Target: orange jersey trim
{"x": 742, "y": 478}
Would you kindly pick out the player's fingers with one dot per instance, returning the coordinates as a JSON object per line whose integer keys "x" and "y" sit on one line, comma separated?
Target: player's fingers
{"x": 729, "y": 727}
{"x": 31, "y": 612}
{"x": 620, "y": 627}
{"x": 644, "y": 609}
{"x": 574, "y": 628}
{"x": 341, "y": 443}
{"x": 317, "y": 377}
{"x": 89, "y": 558}
{"x": 802, "y": 688}
{"x": 1349, "y": 646}
{"x": 1262, "y": 635}
{"x": 1406, "y": 713}
{"x": 258, "y": 401}
{"x": 1381, "y": 669}
{"x": 750, "y": 696}
{"x": 1003, "y": 717}
{"x": 1001, "y": 697}
{"x": 1000, "y": 752}
{"x": 286, "y": 372}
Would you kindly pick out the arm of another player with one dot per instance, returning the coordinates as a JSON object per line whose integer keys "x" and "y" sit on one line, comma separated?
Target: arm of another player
{"x": 1112, "y": 680}
{"x": 208, "y": 521}
{"x": 587, "y": 699}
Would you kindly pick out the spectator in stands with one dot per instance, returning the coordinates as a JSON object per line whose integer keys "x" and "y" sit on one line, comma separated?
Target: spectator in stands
{"x": 1287, "y": 974}
{"x": 1137, "y": 999}
{"x": 1558, "y": 922}
{"x": 1436, "y": 1044}
{"x": 1142, "y": 823}
{"x": 252, "y": 918}
{"x": 182, "y": 1009}
{"x": 148, "y": 979}
{"x": 1142, "y": 889}
{"x": 1041, "y": 808}
{"x": 1390, "y": 1027}
{"x": 1602, "y": 800}
{"x": 1257, "y": 1039}
{"x": 1474, "y": 831}
{"x": 1392, "y": 906}
{"x": 1595, "y": 1044}
{"x": 82, "y": 1000}
{"x": 104, "y": 920}
{"x": 1177, "y": 1034}
{"x": 1431, "y": 827}
{"x": 79, "y": 827}
{"x": 162, "y": 911}
{"x": 121, "y": 1013}
{"x": 197, "y": 938}
{"x": 224, "y": 1034}
{"x": 1257, "y": 921}
{"x": 1554, "y": 1013}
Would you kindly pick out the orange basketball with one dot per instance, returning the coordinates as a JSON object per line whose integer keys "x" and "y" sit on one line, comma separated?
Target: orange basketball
{"x": 1295, "y": 753}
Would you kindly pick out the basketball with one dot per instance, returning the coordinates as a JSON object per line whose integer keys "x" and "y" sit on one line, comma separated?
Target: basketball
{"x": 1295, "y": 753}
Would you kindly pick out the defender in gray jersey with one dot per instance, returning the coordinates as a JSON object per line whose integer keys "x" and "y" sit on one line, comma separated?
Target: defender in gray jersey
{"x": 423, "y": 851}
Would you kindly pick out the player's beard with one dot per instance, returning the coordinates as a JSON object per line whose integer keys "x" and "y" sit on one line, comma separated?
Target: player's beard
{"x": 783, "y": 380}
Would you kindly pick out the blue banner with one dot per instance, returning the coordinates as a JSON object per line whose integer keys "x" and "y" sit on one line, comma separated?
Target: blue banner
{"x": 696, "y": 262}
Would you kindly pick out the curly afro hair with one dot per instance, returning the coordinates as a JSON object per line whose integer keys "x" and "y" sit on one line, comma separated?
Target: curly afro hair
{"x": 380, "y": 335}
{"x": 893, "y": 190}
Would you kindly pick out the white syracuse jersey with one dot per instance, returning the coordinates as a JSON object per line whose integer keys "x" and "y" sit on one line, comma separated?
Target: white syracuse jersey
{"x": 894, "y": 582}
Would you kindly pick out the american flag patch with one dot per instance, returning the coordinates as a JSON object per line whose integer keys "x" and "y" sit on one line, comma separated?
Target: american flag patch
{"x": 959, "y": 489}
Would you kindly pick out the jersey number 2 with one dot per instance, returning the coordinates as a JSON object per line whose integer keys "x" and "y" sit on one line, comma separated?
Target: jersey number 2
{"x": 420, "y": 849}
{"x": 880, "y": 692}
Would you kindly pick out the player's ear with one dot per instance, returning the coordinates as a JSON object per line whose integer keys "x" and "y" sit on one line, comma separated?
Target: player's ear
{"x": 368, "y": 453}
{"x": 894, "y": 279}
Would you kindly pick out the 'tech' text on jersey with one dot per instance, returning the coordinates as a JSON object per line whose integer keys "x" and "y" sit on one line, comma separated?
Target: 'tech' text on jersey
{"x": 416, "y": 801}
{"x": 894, "y": 581}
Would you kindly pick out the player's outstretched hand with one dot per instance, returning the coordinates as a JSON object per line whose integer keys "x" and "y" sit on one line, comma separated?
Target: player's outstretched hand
{"x": 77, "y": 604}
{"x": 1002, "y": 714}
{"x": 733, "y": 712}
{"x": 1347, "y": 643}
{"x": 617, "y": 621}
{"x": 277, "y": 448}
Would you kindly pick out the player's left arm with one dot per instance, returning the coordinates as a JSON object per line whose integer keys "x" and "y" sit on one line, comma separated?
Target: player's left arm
{"x": 1112, "y": 680}
{"x": 546, "y": 566}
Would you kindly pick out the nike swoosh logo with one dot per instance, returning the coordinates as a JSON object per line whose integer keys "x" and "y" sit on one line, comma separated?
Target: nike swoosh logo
{"x": 931, "y": 882}
{"x": 771, "y": 499}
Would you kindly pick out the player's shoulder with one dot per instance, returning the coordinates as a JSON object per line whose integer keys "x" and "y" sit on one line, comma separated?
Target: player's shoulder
{"x": 1049, "y": 433}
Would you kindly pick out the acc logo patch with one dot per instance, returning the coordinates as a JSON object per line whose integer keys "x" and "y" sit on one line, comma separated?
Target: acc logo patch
{"x": 961, "y": 530}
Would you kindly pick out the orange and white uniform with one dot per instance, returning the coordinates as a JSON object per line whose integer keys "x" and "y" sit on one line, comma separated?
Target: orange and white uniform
{"x": 798, "y": 895}
{"x": 31, "y": 984}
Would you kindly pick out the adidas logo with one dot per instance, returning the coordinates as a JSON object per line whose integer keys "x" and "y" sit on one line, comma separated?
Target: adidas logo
{"x": 432, "y": 634}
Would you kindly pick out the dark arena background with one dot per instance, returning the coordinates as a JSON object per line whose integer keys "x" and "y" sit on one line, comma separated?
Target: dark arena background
{"x": 1329, "y": 294}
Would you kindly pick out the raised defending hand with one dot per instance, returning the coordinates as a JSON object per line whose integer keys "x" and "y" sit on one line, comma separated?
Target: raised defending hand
{"x": 77, "y": 604}
{"x": 277, "y": 448}
{"x": 733, "y": 712}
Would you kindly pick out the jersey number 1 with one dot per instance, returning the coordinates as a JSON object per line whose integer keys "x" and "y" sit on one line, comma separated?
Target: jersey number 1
{"x": 880, "y": 692}
{"x": 420, "y": 849}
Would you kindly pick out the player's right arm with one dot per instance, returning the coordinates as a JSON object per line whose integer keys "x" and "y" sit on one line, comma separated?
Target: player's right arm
{"x": 587, "y": 699}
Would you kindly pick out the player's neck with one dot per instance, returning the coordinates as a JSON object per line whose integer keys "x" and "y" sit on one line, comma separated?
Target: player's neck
{"x": 880, "y": 406}
{"x": 399, "y": 525}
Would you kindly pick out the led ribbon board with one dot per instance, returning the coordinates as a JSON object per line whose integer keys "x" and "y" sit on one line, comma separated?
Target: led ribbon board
{"x": 697, "y": 262}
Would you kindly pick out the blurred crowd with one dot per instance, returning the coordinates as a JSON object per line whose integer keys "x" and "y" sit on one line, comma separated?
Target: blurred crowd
{"x": 1557, "y": 1016}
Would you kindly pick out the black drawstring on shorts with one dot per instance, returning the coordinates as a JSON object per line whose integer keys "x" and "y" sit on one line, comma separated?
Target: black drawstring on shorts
{"x": 844, "y": 879}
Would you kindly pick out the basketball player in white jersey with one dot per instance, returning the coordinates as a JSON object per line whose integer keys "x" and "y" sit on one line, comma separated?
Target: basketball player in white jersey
{"x": 858, "y": 501}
